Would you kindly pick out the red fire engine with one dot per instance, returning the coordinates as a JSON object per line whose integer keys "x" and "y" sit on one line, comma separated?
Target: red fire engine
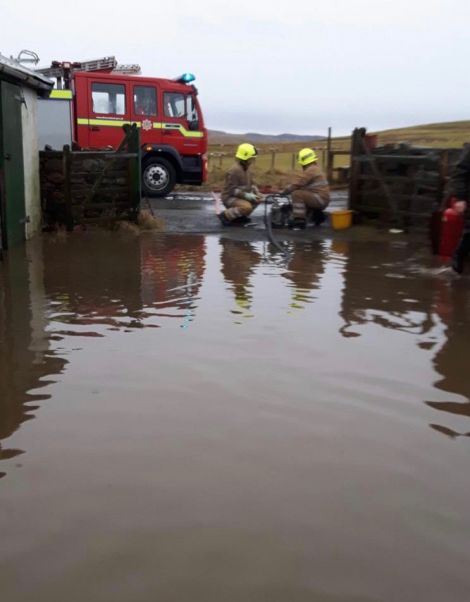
{"x": 104, "y": 96}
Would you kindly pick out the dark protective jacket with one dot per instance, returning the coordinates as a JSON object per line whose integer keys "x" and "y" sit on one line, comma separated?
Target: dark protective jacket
{"x": 312, "y": 179}
{"x": 238, "y": 181}
{"x": 459, "y": 184}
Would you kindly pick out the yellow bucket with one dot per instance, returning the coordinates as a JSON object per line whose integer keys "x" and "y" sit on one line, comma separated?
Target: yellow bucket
{"x": 341, "y": 220}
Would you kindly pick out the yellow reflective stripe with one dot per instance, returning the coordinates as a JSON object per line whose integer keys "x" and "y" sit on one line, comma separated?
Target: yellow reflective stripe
{"x": 61, "y": 94}
{"x": 182, "y": 130}
{"x": 104, "y": 122}
{"x": 156, "y": 125}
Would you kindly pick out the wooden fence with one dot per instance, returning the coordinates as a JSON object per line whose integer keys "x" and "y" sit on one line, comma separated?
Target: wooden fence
{"x": 281, "y": 159}
{"x": 277, "y": 161}
{"x": 79, "y": 187}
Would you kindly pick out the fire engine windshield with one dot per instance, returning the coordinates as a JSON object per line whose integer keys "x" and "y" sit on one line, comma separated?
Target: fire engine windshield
{"x": 180, "y": 105}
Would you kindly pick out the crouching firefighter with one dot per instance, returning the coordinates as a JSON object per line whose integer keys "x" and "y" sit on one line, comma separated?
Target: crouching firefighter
{"x": 240, "y": 195}
{"x": 309, "y": 192}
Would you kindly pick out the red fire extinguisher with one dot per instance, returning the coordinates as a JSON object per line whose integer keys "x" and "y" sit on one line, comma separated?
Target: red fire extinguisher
{"x": 451, "y": 229}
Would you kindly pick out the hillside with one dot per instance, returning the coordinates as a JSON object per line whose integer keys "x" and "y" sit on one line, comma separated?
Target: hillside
{"x": 451, "y": 134}
{"x": 220, "y": 137}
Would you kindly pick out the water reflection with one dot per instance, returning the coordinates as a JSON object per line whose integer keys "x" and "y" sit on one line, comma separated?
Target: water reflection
{"x": 180, "y": 461}
{"x": 27, "y": 361}
{"x": 143, "y": 282}
{"x": 451, "y": 360}
{"x": 304, "y": 271}
{"x": 382, "y": 288}
{"x": 378, "y": 291}
{"x": 238, "y": 262}
{"x": 60, "y": 288}
{"x": 172, "y": 270}
{"x": 89, "y": 286}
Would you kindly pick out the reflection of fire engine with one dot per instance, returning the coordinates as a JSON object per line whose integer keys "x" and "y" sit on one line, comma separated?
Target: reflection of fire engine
{"x": 94, "y": 99}
{"x": 172, "y": 270}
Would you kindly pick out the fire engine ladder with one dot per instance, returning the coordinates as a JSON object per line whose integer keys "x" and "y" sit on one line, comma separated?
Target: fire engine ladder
{"x": 108, "y": 64}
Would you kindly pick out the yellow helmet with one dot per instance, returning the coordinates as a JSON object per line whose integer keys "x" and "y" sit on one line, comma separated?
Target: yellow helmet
{"x": 307, "y": 156}
{"x": 246, "y": 151}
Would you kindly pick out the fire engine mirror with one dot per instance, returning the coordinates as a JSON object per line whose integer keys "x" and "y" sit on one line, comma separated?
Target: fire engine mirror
{"x": 193, "y": 125}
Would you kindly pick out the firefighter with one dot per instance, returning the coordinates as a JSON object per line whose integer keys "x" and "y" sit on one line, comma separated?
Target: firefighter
{"x": 459, "y": 188}
{"x": 309, "y": 192}
{"x": 240, "y": 195}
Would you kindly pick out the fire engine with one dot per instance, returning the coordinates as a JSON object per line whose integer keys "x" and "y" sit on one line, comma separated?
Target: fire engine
{"x": 94, "y": 99}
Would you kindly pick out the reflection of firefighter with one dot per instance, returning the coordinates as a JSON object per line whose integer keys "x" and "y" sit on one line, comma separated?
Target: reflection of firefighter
{"x": 304, "y": 272}
{"x": 451, "y": 361}
{"x": 239, "y": 259}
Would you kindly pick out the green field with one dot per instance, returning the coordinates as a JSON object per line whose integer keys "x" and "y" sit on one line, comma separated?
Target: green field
{"x": 436, "y": 135}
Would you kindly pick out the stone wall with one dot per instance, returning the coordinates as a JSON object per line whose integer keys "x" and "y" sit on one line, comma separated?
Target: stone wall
{"x": 81, "y": 187}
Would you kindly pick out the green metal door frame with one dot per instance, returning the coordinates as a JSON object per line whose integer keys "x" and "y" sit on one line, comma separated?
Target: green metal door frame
{"x": 12, "y": 193}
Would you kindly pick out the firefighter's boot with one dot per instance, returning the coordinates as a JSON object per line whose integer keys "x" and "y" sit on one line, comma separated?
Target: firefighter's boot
{"x": 242, "y": 221}
{"x": 318, "y": 217}
{"x": 223, "y": 219}
{"x": 297, "y": 223}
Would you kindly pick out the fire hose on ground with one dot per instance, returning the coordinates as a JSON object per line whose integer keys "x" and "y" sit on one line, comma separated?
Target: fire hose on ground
{"x": 268, "y": 222}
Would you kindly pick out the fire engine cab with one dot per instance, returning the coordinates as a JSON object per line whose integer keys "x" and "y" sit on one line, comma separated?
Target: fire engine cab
{"x": 94, "y": 99}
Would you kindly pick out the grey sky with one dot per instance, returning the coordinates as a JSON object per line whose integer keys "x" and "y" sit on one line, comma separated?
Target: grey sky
{"x": 273, "y": 67}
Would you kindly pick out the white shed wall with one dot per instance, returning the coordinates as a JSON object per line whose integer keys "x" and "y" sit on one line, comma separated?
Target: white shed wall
{"x": 31, "y": 163}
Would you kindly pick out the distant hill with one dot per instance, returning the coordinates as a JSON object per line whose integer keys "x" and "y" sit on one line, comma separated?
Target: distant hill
{"x": 220, "y": 137}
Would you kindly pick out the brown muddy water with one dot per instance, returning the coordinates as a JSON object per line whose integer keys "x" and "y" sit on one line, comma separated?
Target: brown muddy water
{"x": 183, "y": 418}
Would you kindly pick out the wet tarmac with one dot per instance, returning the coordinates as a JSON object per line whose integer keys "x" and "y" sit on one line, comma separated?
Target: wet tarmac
{"x": 197, "y": 212}
{"x": 189, "y": 417}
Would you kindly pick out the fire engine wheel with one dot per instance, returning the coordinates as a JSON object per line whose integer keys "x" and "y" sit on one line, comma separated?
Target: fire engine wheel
{"x": 158, "y": 177}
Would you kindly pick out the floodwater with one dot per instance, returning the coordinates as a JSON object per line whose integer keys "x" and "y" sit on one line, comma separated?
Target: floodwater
{"x": 186, "y": 418}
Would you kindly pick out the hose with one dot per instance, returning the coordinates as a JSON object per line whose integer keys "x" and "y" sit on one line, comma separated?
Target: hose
{"x": 269, "y": 230}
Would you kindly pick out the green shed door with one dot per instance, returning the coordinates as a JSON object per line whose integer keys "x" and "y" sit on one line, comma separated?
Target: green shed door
{"x": 11, "y": 166}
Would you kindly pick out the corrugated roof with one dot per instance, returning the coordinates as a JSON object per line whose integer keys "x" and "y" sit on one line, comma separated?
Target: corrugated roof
{"x": 17, "y": 72}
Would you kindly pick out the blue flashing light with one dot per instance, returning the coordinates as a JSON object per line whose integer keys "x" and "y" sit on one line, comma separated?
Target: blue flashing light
{"x": 186, "y": 78}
